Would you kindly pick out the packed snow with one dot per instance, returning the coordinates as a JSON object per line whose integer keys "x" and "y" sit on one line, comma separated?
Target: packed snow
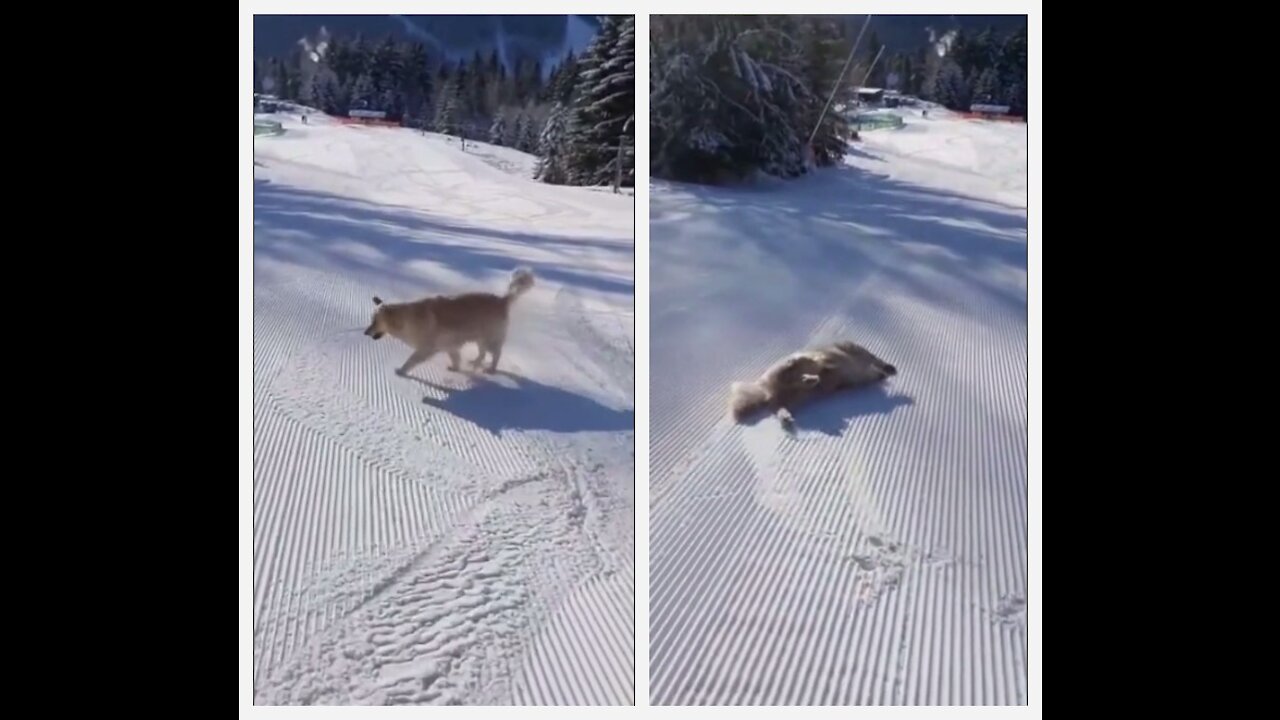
{"x": 879, "y": 554}
{"x": 443, "y": 538}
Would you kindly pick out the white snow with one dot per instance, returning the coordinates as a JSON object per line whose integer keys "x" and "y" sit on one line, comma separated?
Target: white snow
{"x": 873, "y": 557}
{"x": 444, "y": 538}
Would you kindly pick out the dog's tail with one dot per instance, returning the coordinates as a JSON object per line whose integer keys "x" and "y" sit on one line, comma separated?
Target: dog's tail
{"x": 521, "y": 281}
{"x": 747, "y": 398}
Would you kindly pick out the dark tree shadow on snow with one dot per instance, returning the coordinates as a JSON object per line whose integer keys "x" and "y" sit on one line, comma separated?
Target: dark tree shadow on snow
{"x": 315, "y": 229}
{"x": 823, "y": 225}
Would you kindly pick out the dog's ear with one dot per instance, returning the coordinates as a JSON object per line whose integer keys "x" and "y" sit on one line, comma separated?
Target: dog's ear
{"x": 377, "y": 300}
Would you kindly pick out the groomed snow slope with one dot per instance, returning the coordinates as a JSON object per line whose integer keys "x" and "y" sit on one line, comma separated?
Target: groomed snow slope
{"x": 879, "y": 556}
{"x": 444, "y": 538}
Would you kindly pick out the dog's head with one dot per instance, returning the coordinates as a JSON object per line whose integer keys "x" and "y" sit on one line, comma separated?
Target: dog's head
{"x": 380, "y": 324}
{"x": 852, "y": 349}
{"x": 862, "y": 354}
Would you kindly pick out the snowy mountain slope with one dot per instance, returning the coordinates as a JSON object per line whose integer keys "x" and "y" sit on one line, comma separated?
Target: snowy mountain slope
{"x": 879, "y": 556}
{"x": 444, "y": 538}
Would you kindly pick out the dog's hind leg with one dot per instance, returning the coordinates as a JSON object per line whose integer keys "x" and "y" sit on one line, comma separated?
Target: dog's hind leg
{"x": 455, "y": 359}
{"x": 495, "y": 351}
{"x": 475, "y": 364}
{"x": 493, "y": 345}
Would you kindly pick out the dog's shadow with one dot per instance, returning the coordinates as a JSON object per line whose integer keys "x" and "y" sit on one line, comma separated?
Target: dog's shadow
{"x": 832, "y": 415}
{"x": 507, "y": 401}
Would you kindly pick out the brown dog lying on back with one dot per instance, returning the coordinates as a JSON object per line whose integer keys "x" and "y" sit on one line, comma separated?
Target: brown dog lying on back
{"x": 806, "y": 375}
{"x": 447, "y": 322}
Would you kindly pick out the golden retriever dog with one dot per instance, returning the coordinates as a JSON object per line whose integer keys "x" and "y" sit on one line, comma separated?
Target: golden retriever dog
{"x": 445, "y": 323}
{"x": 803, "y": 376}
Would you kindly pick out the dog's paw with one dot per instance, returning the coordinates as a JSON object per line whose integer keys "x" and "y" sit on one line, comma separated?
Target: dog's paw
{"x": 401, "y": 372}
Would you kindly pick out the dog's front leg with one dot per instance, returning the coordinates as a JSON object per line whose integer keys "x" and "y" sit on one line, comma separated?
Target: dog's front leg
{"x": 455, "y": 360}
{"x": 417, "y": 358}
{"x": 496, "y": 351}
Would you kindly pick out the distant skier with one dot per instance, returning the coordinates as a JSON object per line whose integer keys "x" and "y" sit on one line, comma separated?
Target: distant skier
{"x": 924, "y": 113}
{"x": 304, "y": 119}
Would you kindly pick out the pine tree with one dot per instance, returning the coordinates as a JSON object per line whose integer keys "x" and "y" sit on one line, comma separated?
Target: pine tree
{"x": 986, "y": 89}
{"x": 552, "y": 165}
{"x": 623, "y": 79}
{"x": 417, "y": 80}
{"x": 498, "y": 130}
{"x": 389, "y": 102}
{"x": 528, "y": 136}
{"x": 877, "y": 77}
{"x": 328, "y": 92}
{"x": 477, "y": 92}
{"x": 950, "y": 89}
{"x": 362, "y": 92}
{"x": 385, "y": 69}
{"x": 426, "y": 117}
{"x": 708, "y": 98}
{"x": 604, "y": 104}
{"x": 825, "y": 55}
{"x": 447, "y": 110}
{"x": 513, "y": 130}
{"x": 307, "y": 90}
{"x": 1016, "y": 98}
{"x": 1012, "y": 67}
{"x": 985, "y": 51}
{"x": 280, "y": 80}
{"x": 359, "y": 56}
{"x": 564, "y": 80}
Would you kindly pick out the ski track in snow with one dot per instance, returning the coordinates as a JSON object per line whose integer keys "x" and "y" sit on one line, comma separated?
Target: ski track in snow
{"x": 879, "y": 555}
{"x": 447, "y": 538}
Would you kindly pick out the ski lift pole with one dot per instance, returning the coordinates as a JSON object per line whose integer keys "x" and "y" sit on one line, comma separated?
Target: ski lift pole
{"x": 873, "y": 67}
{"x": 617, "y": 178}
{"x": 839, "y": 80}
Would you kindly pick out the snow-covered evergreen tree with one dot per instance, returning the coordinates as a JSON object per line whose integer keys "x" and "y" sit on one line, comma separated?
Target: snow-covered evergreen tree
{"x": 511, "y": 129}
{"x": 603, "y": 105}
{"x": 950, "y": 89}
{"x": 328, "y": 92}
{"x": 361, "y": 94}
{"x": 552, "y": 162}
{"x": 691, "y": 118}
{"x": 730, "y": 95}
{"x": 527, "y": 134}
{"x": 498, "y": 130}
{"x": 825, "y": 53}
{"x": 447, "y": 110}
{"x": 986, "y": 89}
